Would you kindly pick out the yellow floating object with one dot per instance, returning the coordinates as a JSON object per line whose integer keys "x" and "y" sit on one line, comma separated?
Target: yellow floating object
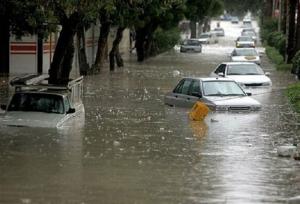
{"x": 199, "y": 111}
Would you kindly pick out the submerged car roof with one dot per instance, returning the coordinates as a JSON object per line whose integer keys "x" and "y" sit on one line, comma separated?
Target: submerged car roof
{"x": 234, "y": 63}
{"x": 210, "y": 78}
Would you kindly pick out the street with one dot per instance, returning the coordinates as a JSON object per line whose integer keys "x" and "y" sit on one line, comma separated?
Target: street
{"x": 131, "y": 148}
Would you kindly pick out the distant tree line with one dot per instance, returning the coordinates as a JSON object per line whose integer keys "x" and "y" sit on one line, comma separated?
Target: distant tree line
{"x": 145, "y": 17}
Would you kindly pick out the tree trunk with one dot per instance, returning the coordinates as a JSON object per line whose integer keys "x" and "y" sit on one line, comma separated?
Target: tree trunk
{"x": 57, "y": 71}
{"x": 67, "y": 64}
{"x": 139, "y": 44}
{"x": 193, "y": 28}
{"x": 114, "y": 53}
{"x": 102, "y": 41}
{"x": 283, "y": 15}
{"x": 297, "y": 48}
{"x": 268, "y": 10}
{"x": 4, "y": 44}
{"x": 290, "y": 51}
{"x": 82, "y": 59}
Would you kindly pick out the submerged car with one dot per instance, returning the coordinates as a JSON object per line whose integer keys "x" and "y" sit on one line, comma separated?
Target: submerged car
{"x": 218, "y": 94}
{"x": 219, "y": 31}
{"x": 245, "y": 55}
{"x": 244, "y": 73}
{"x": 245, "y": 41}
{"x": 36, "y": 103}
{"x": 208, "y": 38}
{"x": 250, "y": 34}
{"x": 234, "y": 20}
{"x": 193, "y": 45}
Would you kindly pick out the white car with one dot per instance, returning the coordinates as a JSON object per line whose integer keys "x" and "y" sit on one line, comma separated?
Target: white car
{"x": 244, "y": 41}
{"x": 250, "y": 34}
{"x": 244, "y": 73}
{"x": 245, "y": 55}
{"x": 219, "y": 94}
{"x": 192, "y": 44}
{"x": 35, "y": 103}
{"x": 208, "y": 38}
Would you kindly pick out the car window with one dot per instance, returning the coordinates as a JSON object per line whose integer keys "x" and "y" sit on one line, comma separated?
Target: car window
{"x": 221, "y": 88}
{"x": 244, "y": 69}
{"x": 221, "y": 69}
{"x": 183, "y": 87}
{"x": 67, "y": 104}
{"x": 36, "y": 102}
{"x": 195, "y": 87}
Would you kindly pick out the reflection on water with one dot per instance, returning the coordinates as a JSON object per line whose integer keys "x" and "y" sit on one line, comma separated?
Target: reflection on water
{"x": 134, "y": 149}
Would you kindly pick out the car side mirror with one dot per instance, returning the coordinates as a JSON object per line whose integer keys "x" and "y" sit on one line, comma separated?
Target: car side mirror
{"x": 3, "y": 107}
{"x": 197, "y": 94}
{"x": 71, "y": 110}
{"x": 249, "y": 94}
{"x": 267, "y": 73}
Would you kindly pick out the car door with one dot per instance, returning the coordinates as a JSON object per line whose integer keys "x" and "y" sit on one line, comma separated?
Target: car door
{"x": 180, "y": 96}
{"x": 194, "y": 93}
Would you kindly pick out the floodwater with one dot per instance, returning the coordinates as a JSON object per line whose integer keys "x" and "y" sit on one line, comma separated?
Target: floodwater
{"x": 134, "y": 149}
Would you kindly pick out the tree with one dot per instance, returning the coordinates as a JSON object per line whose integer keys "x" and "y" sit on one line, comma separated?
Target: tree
{"x": 70, "y": 15}
{"x": 199, "y": 11}
{"x": 153, "y": 14}
{"x": 291, "y": 29}
{"x": 18, "y": 17}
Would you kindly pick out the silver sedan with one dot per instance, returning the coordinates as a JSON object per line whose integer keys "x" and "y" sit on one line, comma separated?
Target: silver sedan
{"x": 218, "y": 94}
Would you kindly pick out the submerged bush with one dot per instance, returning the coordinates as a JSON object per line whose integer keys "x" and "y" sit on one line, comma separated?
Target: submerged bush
{"x": 274, "y": 55}
{"x": 293, "y": 93}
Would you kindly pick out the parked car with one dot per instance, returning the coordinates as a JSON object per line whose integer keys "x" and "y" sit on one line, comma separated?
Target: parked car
{"x": 192, "y": 44}
{"x": 246, "y": 74}
{"x": 250, "y": 34}
{"x": 219, "y": 32}
{"x": 234, "y": 20}
{"x": 208, "y": 38}
{"x": 218, "y": 94}
{"x": 35, "y": 103}
{"x": 244, "y": 41}
{"x": 245, "y": 55}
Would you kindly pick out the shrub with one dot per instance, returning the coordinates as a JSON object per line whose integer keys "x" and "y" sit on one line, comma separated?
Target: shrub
{"x": 293, "y": 93}
{"x": 296, "y": 63}
{"x": 274, "y": 55}
{"x": 284, "y": 67}
{"x": 165, "y": 39}
{"x": 268, "y": 27}
{"x": 277, "y": 40}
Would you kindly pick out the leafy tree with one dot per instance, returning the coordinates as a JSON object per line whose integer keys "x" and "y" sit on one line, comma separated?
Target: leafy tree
{"x": 71, "y": 15}
{"x": 198, "y": 11}
{"x": 154, "y": 14}
{"x": 240, "y": 8}
{"x": 18, "y": 17}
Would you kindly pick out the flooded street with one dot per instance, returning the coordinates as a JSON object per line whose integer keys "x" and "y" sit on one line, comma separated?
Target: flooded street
{"x": 131, "y": 148}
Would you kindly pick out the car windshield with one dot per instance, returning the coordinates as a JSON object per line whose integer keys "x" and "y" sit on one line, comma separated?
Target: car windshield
{"x": 37, "y": 102}
{"x": 247, "y": 33}
{"x": 245, "y": 38}
{"x": 204, "y": 35}
{"x": 218, "y": 29}
{"x": 244, "y": 52}
{"x": 244, "y": 69}
{"x": 192, "y": 42}
{"x": 222, "y": 88}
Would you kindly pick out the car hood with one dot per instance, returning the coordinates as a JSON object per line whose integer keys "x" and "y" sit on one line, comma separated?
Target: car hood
{"x": 245, "y": 58}
{"x": 250, "y": 79}
{"x": 232, "y": 101}
{"x": 203, "y": 39}
{"x": 245, "y": 42}
{"x": 32, "y": 119}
